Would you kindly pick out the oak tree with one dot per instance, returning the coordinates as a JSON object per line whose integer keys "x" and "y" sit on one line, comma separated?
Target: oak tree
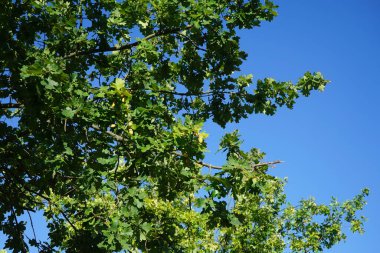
{"x": 102, "y": 106}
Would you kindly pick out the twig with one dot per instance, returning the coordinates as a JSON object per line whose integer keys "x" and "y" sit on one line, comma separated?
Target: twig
{"x": 192, "y": 42}
{"x": 10, "y": 106}
{"x": 67, "y": 219}
{"x": 199, "y": 162}
{"x": 116, "y": 183}
{"x": 24, "y": 248}
{"x": 31, "y": 223}
{"x": 80, "y": 15}
{"x": 267, "y": 163}
{"x": 115, "y": 136}
{"x": 198, "y": 94}
{"x": 207, "y": 165}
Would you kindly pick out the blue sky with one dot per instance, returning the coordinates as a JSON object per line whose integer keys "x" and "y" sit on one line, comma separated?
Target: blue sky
{"x": 329, "y": 141}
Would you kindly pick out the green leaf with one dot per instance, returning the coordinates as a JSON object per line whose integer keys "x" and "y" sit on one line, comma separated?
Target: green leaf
{"x": 49, "y": 84}
{"x": 234, "y": 220}
{"x": 107, "y": 141}
{"x": 68, "y": 113}
{"x": 146, "y": 227}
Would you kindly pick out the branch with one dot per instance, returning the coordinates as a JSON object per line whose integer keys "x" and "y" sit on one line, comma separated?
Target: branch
{"x": 10, "y": 106}
{"x": 20, "y": 234}
{"x": 267, "y": 164}
{"x": 16, "y": 179}
{"x": 207, "y": 165}
{"x": 253, "y": 167}
{"x": 198, "y": 94}
{"x": 31, "y": 223}
{"x": 129, "y": 45}
{"x": 115, "y": 136}
{"x": 192, "y": 42}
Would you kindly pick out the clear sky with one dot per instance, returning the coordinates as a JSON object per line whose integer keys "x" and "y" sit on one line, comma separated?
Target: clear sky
{"x": 329, "y": 141}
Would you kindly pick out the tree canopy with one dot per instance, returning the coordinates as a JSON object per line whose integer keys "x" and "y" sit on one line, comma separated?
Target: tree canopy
{"x": 102, "y": 110}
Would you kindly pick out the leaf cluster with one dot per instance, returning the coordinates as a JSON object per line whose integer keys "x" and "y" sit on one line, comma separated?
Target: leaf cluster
{"x": 102, "y": 106}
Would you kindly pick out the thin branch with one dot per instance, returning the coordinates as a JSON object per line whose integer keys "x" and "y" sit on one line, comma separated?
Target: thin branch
{"x": 203, "y": 164}
{"x": 116, "y": 182}
{"x": 129, "y": 45}
{"x": 198, "y": 94}
{"x": 10, "y": 106}
{"x": 38, "y": 243}
{"x": 24, "y": 248}
{"x": 208, "y": 165}
{"x": 80, "y": 15}
{"x": 21, "y": 182}
{"x": 31, "y": 223}
{"x": 267, "y": 163}
{"x": 67, "y": 219}
{"x": 192, "y": 42}
{"x": 115, "y": 136}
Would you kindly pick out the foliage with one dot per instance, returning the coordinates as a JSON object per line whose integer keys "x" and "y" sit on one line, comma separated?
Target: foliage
{"x": 102, "y": 109}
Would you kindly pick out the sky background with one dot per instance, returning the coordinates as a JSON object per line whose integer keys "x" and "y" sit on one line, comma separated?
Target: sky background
{"x": 329, "y": 141}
